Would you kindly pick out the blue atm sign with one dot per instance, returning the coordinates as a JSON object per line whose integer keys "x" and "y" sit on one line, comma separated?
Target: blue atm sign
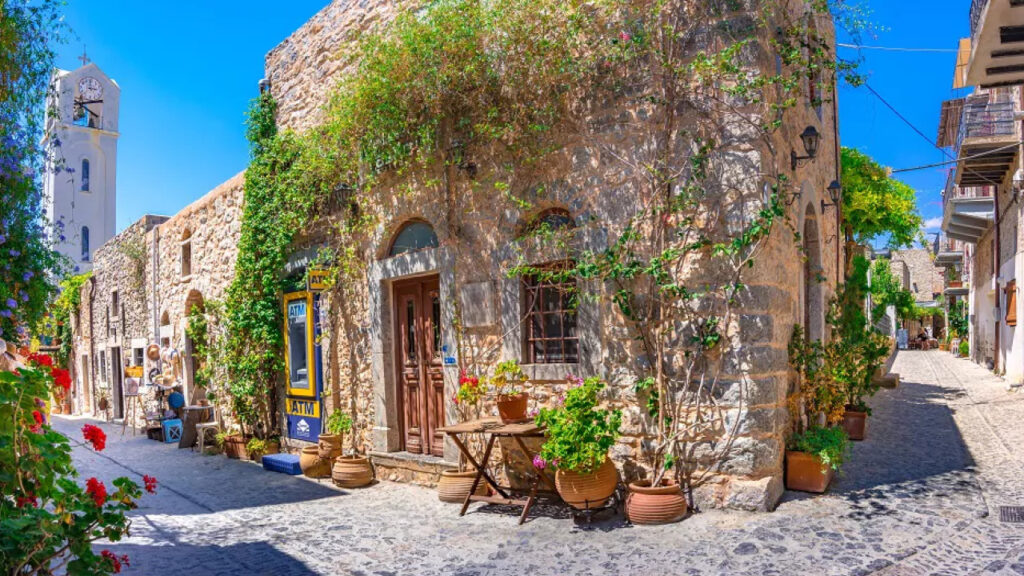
{"x": 303, "y": 419}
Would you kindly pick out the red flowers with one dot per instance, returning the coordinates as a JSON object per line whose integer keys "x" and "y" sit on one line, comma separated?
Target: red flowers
{"x": 40, "y": 359}
{"x": 150, "y": 484}
{"x": 115, "y": 562}
{"x": 37, "y": 416}
{"x": 61, "y": 378}
{"x": 97, "y": 490}
{"x": 96, "y": 436}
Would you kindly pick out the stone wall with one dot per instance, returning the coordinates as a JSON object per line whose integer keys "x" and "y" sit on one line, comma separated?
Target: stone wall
{"x": 479, "y": 240}
{"x": 478, "y": 244}
{"x": 926, "y": 281}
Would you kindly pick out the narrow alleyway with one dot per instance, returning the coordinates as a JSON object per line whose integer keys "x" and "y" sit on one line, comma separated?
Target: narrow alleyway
{"x": 921, "y": 496}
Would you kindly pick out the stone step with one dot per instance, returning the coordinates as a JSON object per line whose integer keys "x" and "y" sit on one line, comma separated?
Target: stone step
{"x": 419, "y": 469}
{"x": 889, "y": 381}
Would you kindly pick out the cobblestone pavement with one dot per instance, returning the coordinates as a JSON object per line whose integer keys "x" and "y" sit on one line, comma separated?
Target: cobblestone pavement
{"x": 920, "y": 496}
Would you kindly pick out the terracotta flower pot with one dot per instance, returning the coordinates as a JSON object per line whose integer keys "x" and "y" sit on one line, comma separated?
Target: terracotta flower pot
{"x": 312, "y": 465}
{"x": 584, "y": 491}
{"x": 103, "y": 404}
{"x": 855, "y": 423}
{"x": 234, "y": 447}
{"x": 454, "y": 486}
{"x": 352, "y": 471}
{"x": 662, "y": 504}
{"x": 806, "y": 472}
{"x": 330, "y": 446}
{"x": 512, "y": 408}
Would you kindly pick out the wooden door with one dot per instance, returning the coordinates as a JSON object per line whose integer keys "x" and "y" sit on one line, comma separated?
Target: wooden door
{"x": 418, "y": 362}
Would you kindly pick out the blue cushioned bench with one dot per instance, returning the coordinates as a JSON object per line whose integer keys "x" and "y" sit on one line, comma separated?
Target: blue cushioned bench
{"x": 284, "y": 463}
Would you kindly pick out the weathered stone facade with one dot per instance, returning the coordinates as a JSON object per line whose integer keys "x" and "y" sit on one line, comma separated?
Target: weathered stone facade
{"x": 480, "y": 307}
{"x": 925, "y": 281}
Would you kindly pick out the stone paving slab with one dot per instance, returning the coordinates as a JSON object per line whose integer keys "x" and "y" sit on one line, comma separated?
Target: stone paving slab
{"x": 917, "y": 497}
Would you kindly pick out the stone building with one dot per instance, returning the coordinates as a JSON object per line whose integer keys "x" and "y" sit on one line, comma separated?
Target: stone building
{"x": 438, "y": 295}
{"x": 981, "y": 243}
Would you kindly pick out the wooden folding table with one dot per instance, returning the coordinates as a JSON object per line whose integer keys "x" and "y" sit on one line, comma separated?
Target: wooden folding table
{"x": 493, "y": 429}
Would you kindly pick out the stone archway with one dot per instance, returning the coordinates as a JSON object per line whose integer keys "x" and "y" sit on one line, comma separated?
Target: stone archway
{"x": 814, "y": 304}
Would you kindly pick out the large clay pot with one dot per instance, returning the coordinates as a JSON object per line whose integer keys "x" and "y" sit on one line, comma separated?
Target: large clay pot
{"x": 454, "y": 486}
{"x": 806, "y": 472}
{"x": 103, "y": 404}
{"x": 512, "y": 408}
{"x": 587, "y": 491}
{"x": 234, "y": 447}
{"x": 855, "y": 423}
{"x": 352, "y": 471}
{"x": 648, "y": 504}
{"x": 312, "y": 465}
{"x": 330, "y": 446}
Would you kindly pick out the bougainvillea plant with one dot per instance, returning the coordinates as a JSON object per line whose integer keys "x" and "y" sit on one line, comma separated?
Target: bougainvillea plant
{"x": 48, "y": 519}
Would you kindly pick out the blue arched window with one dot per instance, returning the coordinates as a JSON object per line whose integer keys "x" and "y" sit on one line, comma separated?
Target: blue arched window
{"x": 413, "y": 236}
{"x": 85, "y": 175}
{"x": 85, "y": 244}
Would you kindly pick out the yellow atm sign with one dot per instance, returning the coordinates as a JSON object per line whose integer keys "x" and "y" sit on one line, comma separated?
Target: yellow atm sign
{"x": 304, "y": 408}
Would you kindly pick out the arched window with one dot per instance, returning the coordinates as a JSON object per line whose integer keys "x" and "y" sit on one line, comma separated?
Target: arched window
{"x": 413, "y": 236}
{"x": 550, "y": 220}
{"x": 85, "y": 244}
{"x": 186, "y": 253}
{"x": 85, "y": 175}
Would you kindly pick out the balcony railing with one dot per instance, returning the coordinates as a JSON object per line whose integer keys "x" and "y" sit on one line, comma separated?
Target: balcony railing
{"x": 984, "y": 119}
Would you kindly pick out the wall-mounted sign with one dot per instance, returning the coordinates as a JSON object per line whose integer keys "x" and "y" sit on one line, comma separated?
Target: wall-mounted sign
{"x": 317, "y": 278}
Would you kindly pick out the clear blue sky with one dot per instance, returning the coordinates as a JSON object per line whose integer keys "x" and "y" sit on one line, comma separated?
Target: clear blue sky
{"x": 915, "y": 83}
{"x": 187, "y": 75}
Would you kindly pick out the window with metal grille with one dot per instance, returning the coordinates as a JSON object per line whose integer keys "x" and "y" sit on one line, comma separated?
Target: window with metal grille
{"x": 550, "y": 335}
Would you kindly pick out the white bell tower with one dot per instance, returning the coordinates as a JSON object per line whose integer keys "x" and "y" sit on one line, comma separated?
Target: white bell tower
{"x": 80, "y": 180}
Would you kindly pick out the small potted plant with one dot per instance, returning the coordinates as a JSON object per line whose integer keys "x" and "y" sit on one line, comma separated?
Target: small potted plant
{"x": 454, "y": 485}
{"x": 507, "y": 383}
{"x": 257, "y": 448}
{"x": 852, "y": 363}
{"x": 578, "y": 436}
{"x": 330, "y": 444}
{"x": 964, "y": 348}
{"x": 349, "y": 470}
{"x": 234, "y": 444}
{"x": 813, "y": 457}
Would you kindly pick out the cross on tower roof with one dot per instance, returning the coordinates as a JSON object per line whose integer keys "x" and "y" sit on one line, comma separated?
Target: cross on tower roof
{"x": 84, "y": 58}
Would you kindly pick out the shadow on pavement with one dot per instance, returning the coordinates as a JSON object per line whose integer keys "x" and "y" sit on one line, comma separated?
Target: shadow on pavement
{"x": 243, "y": 558}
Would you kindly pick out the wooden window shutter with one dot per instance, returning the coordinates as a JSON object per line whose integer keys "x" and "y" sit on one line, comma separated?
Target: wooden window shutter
{"x": 1011, "y": 303}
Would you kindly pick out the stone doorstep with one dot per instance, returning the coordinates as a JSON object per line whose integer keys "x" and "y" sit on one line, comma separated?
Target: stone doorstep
{"x": 419, "y": 469}
{"x": 890, "y": 381}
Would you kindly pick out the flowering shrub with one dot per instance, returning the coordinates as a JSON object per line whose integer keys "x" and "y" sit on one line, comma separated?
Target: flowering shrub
{"x": 48, "y": 521}
{"x": 579, "y": 434}
{"x": 508, "y": 378}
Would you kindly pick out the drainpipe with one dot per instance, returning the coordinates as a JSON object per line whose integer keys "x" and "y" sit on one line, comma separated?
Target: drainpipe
{"x": 995, "y": 272}
{"x": 839, "y": 178}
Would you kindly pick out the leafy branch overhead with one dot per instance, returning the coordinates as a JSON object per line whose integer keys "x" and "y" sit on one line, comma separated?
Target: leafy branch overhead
{"x": 876, "y": 205}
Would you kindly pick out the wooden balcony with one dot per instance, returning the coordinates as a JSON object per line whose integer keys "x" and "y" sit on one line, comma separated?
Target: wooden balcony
{"x": 997, "y": 43}
{"x": 987, "y": 141}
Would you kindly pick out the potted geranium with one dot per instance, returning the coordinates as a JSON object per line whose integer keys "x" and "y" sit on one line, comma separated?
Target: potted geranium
{"x": 577, "y": 438}
{"x": 507, "y": 383}
{"x": 454, "y": 485}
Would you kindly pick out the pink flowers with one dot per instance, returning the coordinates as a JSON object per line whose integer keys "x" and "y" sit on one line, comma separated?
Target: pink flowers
{"x": 115, "y": 562}
{"x": 97, "y": 490}
{"x": 539, "y": 463}
{"x": 574, "y": 380}
{"x": 150, "y": 483}
{"x": 624, "y": 36}
{"x": 96, "y": 436}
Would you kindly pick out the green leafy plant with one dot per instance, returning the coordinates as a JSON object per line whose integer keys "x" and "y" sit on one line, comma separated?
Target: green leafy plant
{"x": 965, "y": 348}
{"x": 339, "y": 422}
{"x": 508, "y": 378}
{"x": 48, "y": 521}
{"x": 958, "y": 320}
{"x": 579, "y": 433}
{"x": 829, "y": 444}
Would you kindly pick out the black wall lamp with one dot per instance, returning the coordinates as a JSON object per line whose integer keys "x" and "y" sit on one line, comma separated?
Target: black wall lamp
{"x": 810, "y": 138}
{"x": 835, "y": 192}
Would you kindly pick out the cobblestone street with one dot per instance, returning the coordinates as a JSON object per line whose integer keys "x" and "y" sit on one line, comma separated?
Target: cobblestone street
{"x": 921, "y": 496}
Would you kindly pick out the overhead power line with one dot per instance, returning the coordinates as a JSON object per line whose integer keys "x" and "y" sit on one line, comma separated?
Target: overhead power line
{"x": 895, "y": 49}
{"x": 965, "y": 158}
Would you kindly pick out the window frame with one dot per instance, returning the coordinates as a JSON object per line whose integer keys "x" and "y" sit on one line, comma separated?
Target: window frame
{"x": 532, "y": 304}
{"x": 405, "y": 226}
{"x": 185, "y": 255}
{"x": 86, "y": 170}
